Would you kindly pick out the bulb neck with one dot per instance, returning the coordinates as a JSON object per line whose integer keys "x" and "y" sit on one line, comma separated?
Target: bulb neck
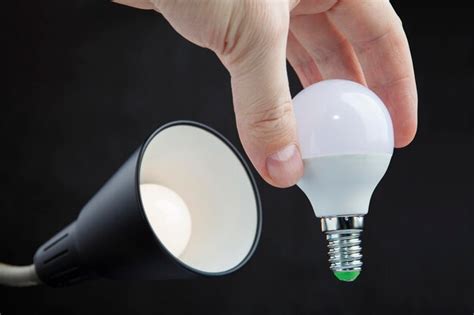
{"x": 344, "y": 244}
{"x": 331, "y": 224}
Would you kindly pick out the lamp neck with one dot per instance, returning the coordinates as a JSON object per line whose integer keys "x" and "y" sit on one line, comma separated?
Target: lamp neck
{"x": 57, "y": 261}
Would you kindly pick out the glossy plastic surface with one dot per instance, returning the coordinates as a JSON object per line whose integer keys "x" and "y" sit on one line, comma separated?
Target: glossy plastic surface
{"x": 338, "y": 117}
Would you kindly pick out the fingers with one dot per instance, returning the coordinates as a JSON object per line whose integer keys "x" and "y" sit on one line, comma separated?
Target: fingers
{"x": 375, "y": 31}
{"x": 303, "y": 64}
{"x": 140, "y": 4}
{"x": 264, "y": 111}
{"x": 329, "y": 49}
{"x": 309, "y": 7}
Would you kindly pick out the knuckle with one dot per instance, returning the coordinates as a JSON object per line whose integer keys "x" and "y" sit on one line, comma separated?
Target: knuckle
{"x": 275, "y": 26}
{"x": 270, "y": 123}
{"x": 258, "y": 24}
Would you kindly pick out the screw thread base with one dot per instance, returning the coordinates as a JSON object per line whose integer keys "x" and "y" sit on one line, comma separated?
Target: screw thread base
{"x": 344, "y": 250}
{"x": 344, "y": 244}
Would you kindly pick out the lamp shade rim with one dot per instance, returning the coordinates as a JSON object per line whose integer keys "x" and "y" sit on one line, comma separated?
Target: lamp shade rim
{"x": 252, "y": 181}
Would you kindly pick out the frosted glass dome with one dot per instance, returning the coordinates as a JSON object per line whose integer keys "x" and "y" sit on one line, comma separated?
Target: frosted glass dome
{"x": 340, "y": 117}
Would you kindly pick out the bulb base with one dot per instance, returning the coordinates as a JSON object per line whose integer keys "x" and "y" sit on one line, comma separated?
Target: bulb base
{"x": 344, "y": 244}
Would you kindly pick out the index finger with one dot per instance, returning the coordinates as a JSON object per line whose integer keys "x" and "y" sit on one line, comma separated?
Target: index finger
{"x": 376, "y": 33}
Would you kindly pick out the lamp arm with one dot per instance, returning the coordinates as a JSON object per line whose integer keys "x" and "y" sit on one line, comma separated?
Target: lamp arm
{"x": 18, "y": 276}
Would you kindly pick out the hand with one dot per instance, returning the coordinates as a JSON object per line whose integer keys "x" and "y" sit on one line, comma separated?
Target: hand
{"x": 359, "y": 40}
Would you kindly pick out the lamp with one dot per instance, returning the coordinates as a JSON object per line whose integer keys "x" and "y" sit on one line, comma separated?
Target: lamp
{"x": 184, "y": 204}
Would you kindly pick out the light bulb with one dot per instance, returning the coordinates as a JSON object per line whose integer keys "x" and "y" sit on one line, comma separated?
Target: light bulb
{"x": 346, "y": 142}
{"x": 168, "y": 215}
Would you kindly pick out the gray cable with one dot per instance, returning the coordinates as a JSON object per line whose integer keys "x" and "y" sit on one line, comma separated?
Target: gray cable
{"x": 18, "y": 276}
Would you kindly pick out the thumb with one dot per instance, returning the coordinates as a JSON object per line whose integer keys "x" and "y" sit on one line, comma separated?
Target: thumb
{"x": 264, "y": 113}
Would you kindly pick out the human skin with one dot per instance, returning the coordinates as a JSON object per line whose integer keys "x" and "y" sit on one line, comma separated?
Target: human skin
{"x": 358, "y": 40}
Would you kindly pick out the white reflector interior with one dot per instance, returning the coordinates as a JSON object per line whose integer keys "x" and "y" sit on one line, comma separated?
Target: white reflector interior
{"x": 214, "y": 185}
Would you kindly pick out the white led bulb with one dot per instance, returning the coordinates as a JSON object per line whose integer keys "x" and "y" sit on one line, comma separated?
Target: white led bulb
{"x": 168, "y": 215}
{"x": 346, "y": 142}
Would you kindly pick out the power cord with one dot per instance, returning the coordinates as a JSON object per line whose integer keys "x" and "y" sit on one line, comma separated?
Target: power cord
{"x": 18, "y": 276}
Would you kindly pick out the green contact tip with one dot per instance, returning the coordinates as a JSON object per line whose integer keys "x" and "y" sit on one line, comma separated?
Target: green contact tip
{"x": 347, "y": 276}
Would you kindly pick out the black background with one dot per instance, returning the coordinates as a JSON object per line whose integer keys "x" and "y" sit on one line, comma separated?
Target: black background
{"x": 87, "y": 82}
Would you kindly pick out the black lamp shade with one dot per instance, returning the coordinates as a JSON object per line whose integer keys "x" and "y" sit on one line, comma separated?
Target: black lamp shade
{"x": 114, "y": 236}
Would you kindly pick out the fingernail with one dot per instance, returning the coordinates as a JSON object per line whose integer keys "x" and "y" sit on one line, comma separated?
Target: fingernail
{"x": 285, "y": 167}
